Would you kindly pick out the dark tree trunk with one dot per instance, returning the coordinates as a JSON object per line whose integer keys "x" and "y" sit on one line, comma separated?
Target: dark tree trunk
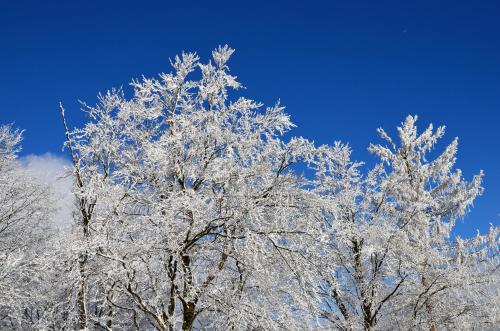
{"x": 189, "y": 315}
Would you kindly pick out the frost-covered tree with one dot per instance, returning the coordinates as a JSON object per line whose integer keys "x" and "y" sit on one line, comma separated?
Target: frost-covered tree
{"x": 187, "y": 203}
{"x": 194, "y": 211}
{"x": 388, "y": 258}
{"x": 25, "y": 207}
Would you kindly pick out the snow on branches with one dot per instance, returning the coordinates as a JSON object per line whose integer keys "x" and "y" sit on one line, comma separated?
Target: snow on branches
{"x": 194, "y": 212}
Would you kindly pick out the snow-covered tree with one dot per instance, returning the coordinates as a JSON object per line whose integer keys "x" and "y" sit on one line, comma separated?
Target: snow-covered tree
{"x": 25, "y": 208}
{"x": 389, "y": 259}
{"x": 196, "y": 219}
{"x": 194, "y": 209}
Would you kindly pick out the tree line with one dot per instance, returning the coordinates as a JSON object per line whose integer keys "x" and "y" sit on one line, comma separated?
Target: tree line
{"x": 195, "y": 210}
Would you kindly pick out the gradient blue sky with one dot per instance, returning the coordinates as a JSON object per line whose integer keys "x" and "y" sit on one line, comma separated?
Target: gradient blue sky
{"x": 342, "y": 68}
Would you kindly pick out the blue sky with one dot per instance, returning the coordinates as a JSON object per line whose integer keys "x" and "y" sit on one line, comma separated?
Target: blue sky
{"x": 342, "y": 68}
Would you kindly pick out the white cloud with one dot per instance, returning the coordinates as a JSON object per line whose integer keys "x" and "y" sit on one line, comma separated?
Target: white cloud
{"x": 53, "y": 171}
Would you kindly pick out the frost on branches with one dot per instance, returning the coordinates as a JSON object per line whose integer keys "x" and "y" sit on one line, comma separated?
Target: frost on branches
{"x": 189, "y": 213}
{"x": 387, "y": 259}
{"x": 25, "y": 205}
{"x": 193, "y": 211}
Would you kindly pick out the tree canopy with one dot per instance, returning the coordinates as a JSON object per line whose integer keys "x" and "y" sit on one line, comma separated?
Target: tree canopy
{"x": 196, "y": 209}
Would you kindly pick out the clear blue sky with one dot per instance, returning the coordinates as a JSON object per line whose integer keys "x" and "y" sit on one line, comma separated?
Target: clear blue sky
{"x": 342, "y": 68}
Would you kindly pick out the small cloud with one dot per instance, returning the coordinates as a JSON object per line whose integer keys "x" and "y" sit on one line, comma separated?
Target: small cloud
{"x": 53, "y": 170}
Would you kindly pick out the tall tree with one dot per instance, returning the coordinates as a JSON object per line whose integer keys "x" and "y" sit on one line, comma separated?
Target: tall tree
{"x": 389, "y": 258}
{"x": 200, "y": 219}
{"x": 25, "y": 208}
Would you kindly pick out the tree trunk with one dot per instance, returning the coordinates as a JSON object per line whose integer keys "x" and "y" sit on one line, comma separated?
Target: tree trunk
{"x": 81, "y": 300}
{"x": 425, "y": 283}
{"x": 189, "y": 315}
